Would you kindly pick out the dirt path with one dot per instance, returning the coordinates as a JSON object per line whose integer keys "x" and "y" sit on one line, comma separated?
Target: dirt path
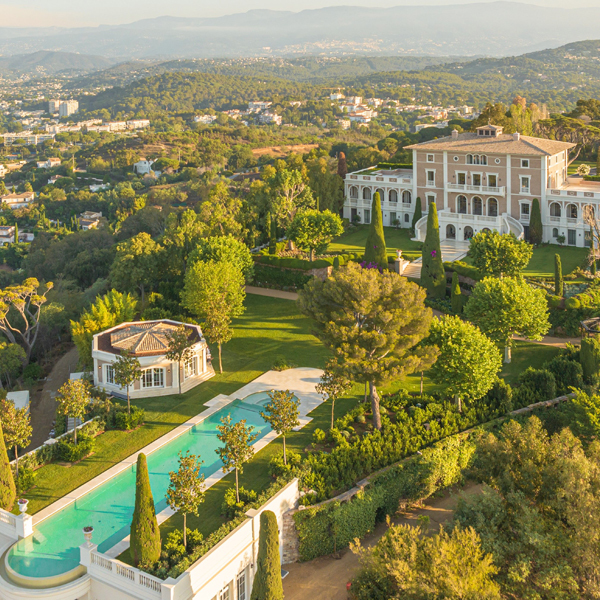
{"x": 43, "y": 403}
{"x": 325, "y": 578}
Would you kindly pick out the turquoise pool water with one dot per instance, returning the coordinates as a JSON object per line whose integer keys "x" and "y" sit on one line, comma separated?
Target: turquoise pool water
{"x": 53, "y": 548}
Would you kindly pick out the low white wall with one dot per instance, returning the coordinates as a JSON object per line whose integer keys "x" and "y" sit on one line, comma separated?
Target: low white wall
{"x": 235, "y": 554}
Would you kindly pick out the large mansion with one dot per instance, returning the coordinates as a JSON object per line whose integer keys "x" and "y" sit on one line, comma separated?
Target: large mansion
{"x": 481, "y": 180}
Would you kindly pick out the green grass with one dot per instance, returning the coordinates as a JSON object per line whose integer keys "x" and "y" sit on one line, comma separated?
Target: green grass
{"x": 271, "y": 327}
{"x": 542, "y": 261}
{"x": 395, "y": 239}
{"x": 572, "y": 170}
{"x": 527, "y": 354}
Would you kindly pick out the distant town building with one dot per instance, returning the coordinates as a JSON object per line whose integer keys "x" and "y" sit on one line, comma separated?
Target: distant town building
{"x": 344, "y": 123}
{"x": 205, "y": 119}
{"x": 440, "y": 125}
{"x": 49, "y": 163}
{"x": 3, "y": 170}
{"x": 89, "y": 220}
{"x": 258, "y": 106}
{"x": 53, "y": 106}
{"x": 68, "y": 107}
{"x": 270, "y": 119}
{"x": 138, "y": 123}
{"x": 143, "y": 166}
{"x": 7, "y": 234}
{"x": 336, "y": 96}
{"x": 117, "y": 126}
{"x": 17, "y": 200}
{"x": 31, "y": 139}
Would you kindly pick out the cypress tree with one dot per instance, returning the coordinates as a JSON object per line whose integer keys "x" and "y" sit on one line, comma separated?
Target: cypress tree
{"x": 536, "y": 231}
{"x": 375, "y": 250}
{"x": 16, "y": 232}
{"x": 457, "y": 298}
{"x": 590, "y": 359}
{"x": 267, "y": 581}
{"x": 145, "y": 535}
{"x": 418, "y": 214}
{"x": 342, "y": 169}
{"x": 558, "y": 276}
{"x": 336, "y": 262}
{"x": 8, "y": 491}
{"x": 433, "y": 275}
{"x": 593, "y": 266}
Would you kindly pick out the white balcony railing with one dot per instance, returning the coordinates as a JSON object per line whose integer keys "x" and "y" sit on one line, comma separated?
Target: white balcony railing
{"x": 481, "y": 189}
{"x": 524, "y": 219}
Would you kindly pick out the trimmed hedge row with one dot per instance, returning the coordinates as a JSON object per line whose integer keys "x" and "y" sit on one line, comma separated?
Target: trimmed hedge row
{"x": 284, "y": 262}
{"x": 389, "y": 165}
{"x": 330, "y": 527}
{"x": 462, "y": 268}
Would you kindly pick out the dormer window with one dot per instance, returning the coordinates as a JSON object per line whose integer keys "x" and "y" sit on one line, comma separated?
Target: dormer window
{"x": 489, "y": 130}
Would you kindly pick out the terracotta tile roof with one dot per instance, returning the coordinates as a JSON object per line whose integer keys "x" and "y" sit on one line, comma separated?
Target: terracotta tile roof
{"x": 141, "y": 338}
{"x": 502, "y": 144}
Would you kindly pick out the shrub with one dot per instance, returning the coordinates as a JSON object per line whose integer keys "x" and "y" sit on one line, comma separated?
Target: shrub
{"x": 278, "y": 469}
{"x": 281, "y": 363}
{"x": 555, "y": 301}
{"x": 456, "y": 295}
{"x": 71, "y": 452}
{"x": 32, "y": 372}
{"x": 319, "y": 436}
{"x": 230, "y": 507}
{"x": 26, "y": 478}
{"x": 498, "y": 401}
{"x": 278, "y": 278}
{"x": 590, "y": 359}
{"x": 127, "y": 421}
{"x": 535, "y": 385}
{"x": 462, "y": 268}
{"x": 572, "y": 303}
{"x": 567, "y": 373}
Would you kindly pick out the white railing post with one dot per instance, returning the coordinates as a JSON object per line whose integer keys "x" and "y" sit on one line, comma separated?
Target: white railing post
{"x": 168, "y": 589}
{"x": 85, "y": 553}
{"x": 24, "y": 525}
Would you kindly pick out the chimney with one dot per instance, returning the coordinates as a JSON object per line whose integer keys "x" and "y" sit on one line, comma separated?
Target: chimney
{"x": 516, "y": 136}
{"x": 454, "y": 134}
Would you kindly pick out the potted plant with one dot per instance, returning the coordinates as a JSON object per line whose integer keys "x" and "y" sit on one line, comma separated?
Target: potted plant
{"x": 22, "y": 502}
{"x": 87, "y": 533}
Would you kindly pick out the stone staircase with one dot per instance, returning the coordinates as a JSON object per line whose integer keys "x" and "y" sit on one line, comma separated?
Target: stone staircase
{"x": 451, "y": 251}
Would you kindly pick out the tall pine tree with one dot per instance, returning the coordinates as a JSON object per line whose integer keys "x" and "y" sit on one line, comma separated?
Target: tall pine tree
{"x": 536, "y": 230}
{"x": 267, "y": 581}
{"x": 375, "y": 250}
{"x": 558, "y": 276}
{"x": 8, "y": 489}
{"x": 433, "y": 275}
{"x": 145, "y": 535}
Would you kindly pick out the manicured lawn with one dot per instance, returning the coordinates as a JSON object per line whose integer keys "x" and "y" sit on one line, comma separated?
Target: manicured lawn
{"x": 270, "y": 328}
{"x": 395, "y": 239}
{"x": 542, "y": 261}
{"x": 575, "y": 164}
{"x": 527, "y": 354}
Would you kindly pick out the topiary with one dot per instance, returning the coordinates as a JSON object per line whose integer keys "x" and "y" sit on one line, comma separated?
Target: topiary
{"x": 433, "y": 275}
{"x": 375, "y": 250}
{"x": 8, "y": 490}
{"x": 536, "y": 229}
{"x": 145, "y": 534}
{"x": 267, "y": 581}
{"x": 456, "y": 295}
{"x": 572, "y": 303}
{"x": 558, "y": 276}
{"x": 590, "y": 359}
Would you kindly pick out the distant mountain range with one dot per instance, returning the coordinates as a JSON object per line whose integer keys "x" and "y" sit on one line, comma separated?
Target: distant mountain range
{"x": 48, "y": 62}
{"x": 492, "y": 29}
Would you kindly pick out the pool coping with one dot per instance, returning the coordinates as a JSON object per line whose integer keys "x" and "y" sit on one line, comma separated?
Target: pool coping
{"x": 270, "y": 380}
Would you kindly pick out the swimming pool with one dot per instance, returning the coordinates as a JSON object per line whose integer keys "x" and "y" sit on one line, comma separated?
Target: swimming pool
{"x": 53, "y": 549}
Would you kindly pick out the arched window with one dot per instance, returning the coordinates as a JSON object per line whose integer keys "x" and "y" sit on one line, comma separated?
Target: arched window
{"x": 393, "y": 196}
{"x": 483, "y": 159}
{"x": 555, "y": 210}
{"x": 476, "y": 159}
{"x": 572, "y": 211}
{"x": 492, "y": 207}
{"x": 477, "y": 206}
{"x": 468, "y": 233}
{"x": 461, "y": 205}
{"x": 469, "y": 159}
{"x": 381, "y": 194}
{"x": 366, "y": 193}
{"x": 406, "y": 218}
{"x": 406, "y": 197}
{"x": 555, "y": 232}
{"x": 354, "y": 192}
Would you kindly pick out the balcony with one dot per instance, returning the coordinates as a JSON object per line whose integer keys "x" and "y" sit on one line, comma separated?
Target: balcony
{"x": 478, "y": 189}
{"x": 524, "y": 219}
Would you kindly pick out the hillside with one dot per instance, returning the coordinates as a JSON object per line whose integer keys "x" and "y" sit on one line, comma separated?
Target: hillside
{"x": 492, "y": 29}
{"x": 49, "y": 62}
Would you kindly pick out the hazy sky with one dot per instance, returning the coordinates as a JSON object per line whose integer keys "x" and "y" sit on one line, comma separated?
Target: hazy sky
{"x": 36, "y": 13}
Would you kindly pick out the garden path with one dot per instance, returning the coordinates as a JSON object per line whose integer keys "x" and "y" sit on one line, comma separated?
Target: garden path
{"x": 43, "y": 403}
{"x": 325, "y": 578}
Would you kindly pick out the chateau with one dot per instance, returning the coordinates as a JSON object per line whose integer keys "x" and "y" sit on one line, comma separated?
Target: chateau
{"x": 481, "y": 180}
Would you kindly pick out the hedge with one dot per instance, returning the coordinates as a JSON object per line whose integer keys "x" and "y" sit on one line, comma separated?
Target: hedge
{"x": 273, "y": 277}
{"x": 462, "y": 268}
{"x": 389, "y": 165}
{"x": 285, "y": 262}
{"x": 332, "y": 526}
{"x": 591, "y": 177}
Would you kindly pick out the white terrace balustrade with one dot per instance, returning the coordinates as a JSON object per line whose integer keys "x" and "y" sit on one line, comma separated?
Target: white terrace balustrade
{"x": 482, "y": 189}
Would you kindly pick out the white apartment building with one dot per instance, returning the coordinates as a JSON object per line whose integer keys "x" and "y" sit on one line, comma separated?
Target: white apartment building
{"x": 67, "y": 108}
{"x": 270, "y": 119}
{"x": 53, "y": 106}
{"x": 138, "y": 123}
{"x": 31, "y": 139}
{"x": 205, "y": 119}
{"x": 481, "y": 180}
